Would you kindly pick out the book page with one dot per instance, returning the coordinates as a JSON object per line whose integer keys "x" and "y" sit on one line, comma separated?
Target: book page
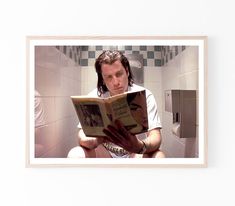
{"x": 131, "y": 110}
{"x": 92, "y": 116}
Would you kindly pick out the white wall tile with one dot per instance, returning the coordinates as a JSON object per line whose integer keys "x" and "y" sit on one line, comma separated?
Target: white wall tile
{"x": 88, "y": 80}
{"x": 46, "y": 137}
{"x": 46, "y": 81}
{"x": 47, "y": 57}
{"x": 150, "y": 48}
{"x": 189, "y": 59}
{"x": 152, "y": 74}
{"x": 189, "y": 80}
{"x": 49, "y": 109}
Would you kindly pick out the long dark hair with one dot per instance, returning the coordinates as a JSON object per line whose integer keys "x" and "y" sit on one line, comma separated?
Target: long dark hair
{"x": 109, "y": 57}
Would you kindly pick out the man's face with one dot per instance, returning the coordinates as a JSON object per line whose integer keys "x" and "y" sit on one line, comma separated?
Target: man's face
{"x": 115, "y": 77}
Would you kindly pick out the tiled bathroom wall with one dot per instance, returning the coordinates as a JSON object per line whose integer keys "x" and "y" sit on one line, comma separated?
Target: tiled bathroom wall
{"x": 151, "y": 54}
{"x": 179, "y": 73}
{"x": 57, "y": 77}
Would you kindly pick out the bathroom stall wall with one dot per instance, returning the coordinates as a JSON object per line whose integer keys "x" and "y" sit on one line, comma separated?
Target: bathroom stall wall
{"x": 57, "y": 76}
{"x": 181, "y": 72}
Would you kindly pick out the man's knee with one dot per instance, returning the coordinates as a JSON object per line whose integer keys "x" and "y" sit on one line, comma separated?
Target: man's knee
{"x": 81, "y": 152}
{"x": 158, "y": 154}
{"x": 76, "y": 152}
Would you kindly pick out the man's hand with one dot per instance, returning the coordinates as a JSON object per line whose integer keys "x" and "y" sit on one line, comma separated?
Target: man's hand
{"x": 118, "y": 135}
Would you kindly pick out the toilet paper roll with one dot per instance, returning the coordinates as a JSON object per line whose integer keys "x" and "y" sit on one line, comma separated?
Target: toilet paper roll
{"x": 176, "y": 129}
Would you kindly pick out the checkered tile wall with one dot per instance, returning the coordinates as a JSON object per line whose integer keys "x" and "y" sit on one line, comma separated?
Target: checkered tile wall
{"x": 152, "y": 55}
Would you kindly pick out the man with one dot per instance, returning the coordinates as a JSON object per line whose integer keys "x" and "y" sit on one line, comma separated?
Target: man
{"x": 115, "y": 77}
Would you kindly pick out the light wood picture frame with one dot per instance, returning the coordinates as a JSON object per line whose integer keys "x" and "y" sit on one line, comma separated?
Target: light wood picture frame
{"x": 61, "y": 66}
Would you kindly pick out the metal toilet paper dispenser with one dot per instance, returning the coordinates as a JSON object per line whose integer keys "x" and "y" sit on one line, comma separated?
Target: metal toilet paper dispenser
{"x": 182, "y": 105}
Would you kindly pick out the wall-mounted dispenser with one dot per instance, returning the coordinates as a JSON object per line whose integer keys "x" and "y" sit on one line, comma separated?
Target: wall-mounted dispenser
{"x": 182, "y": 103}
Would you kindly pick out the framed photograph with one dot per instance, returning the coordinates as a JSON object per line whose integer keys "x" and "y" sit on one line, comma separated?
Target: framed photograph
{"x": 172, "y": 68}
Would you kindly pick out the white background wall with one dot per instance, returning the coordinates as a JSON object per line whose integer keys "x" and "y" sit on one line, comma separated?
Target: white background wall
{"x": 117, "y": 186}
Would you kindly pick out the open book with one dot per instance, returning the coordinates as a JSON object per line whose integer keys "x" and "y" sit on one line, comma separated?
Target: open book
{"x": 96, "y": 113}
